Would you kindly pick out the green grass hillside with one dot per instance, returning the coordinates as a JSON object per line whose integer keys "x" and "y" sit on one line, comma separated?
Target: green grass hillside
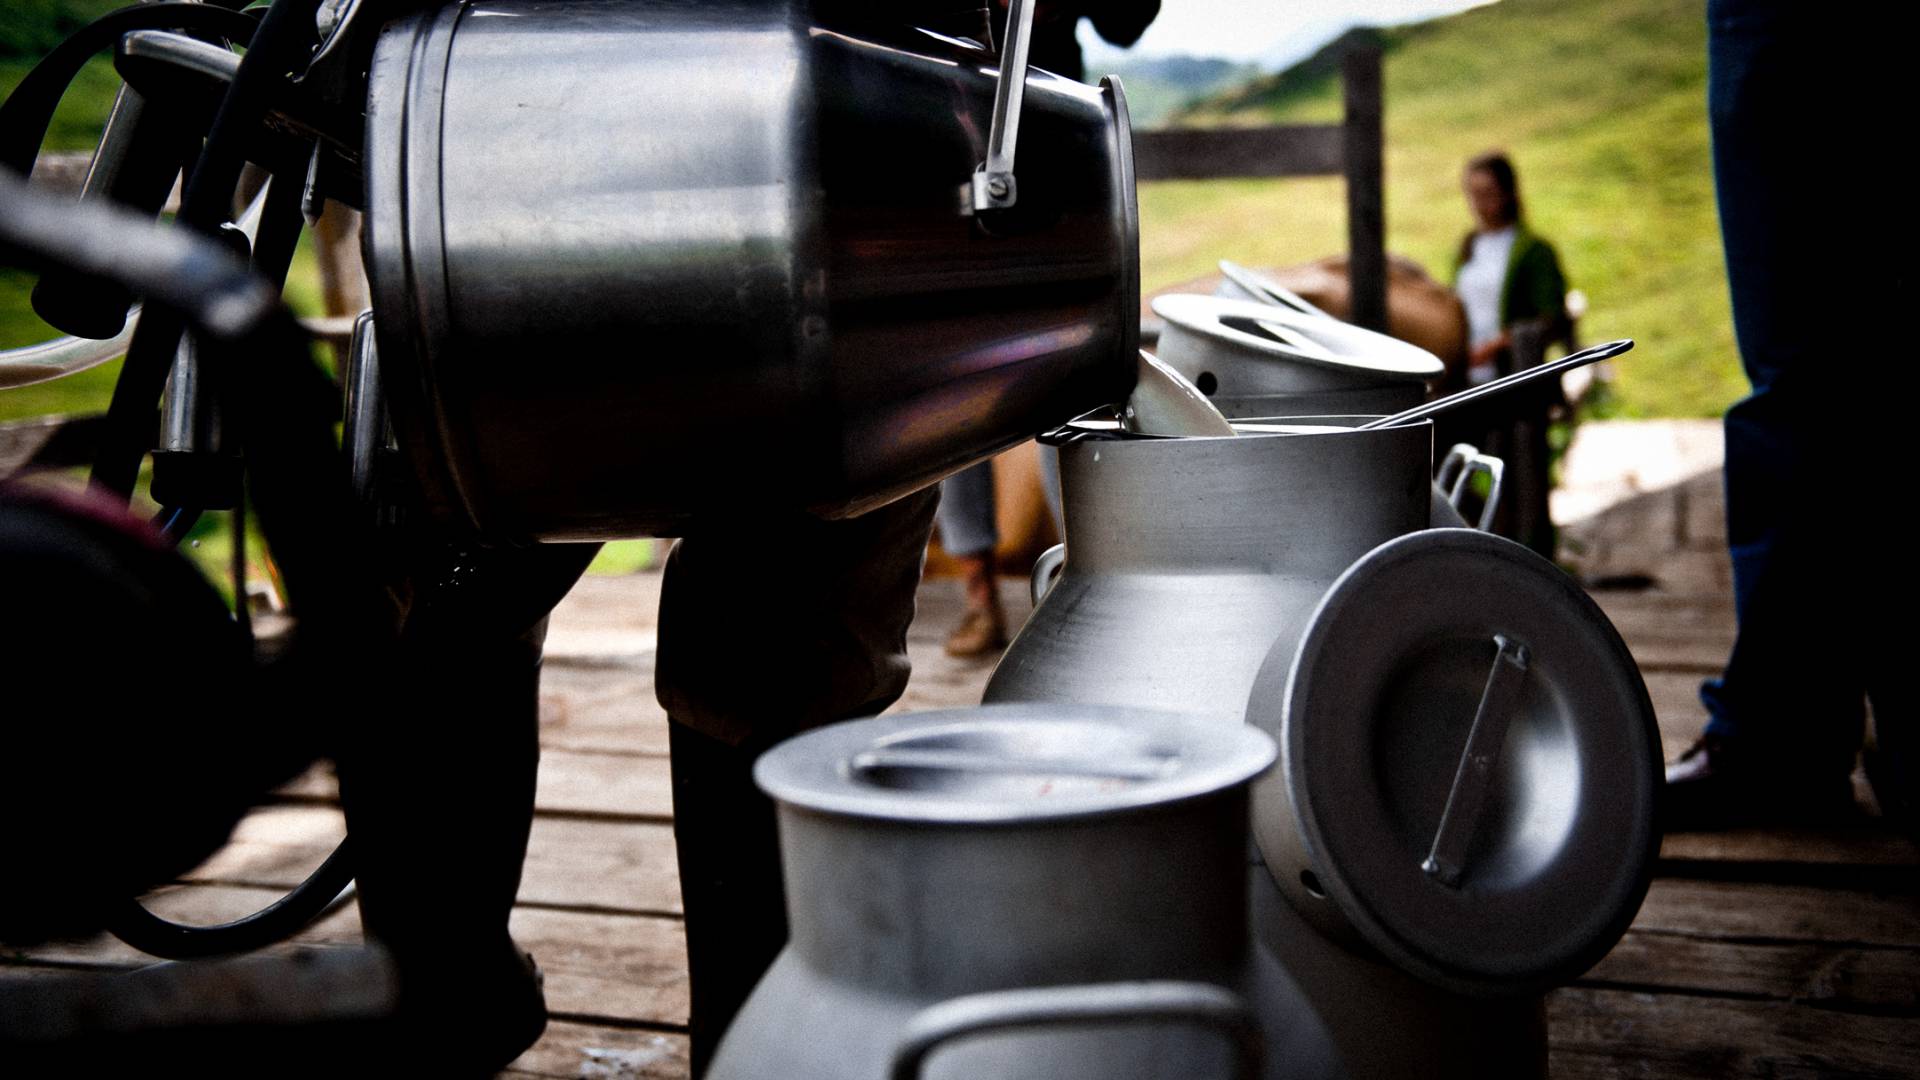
{"x": 1601, "y": 103}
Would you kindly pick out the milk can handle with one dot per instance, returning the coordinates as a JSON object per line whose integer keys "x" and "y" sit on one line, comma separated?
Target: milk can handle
{"x": 1046, "y": 571}
{"x": 1088, "y": 1003}
{"x": 1496, "y": 471}
{"x": 1450, "y": 467}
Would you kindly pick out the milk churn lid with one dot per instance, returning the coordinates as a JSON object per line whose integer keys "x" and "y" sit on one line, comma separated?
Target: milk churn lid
{"x": 1271, "y": 331}
{"x": 1016, "y": 762}
{"x": 1471, "y": 762}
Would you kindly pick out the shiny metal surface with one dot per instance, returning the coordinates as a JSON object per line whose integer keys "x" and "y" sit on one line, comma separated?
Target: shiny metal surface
{"x": 1010, "y": 764}
{"x": 639, "y": 266}
{"x": 1260, "y": 359}
{"x": 189, "y": 416}
{"x": 1186, "y": 558}
{"x": 1590, "y": 355}
{"x": 1456, "y": 471}
{"x": 994, "y": 185}
{"x": 1240, "y": 283}
{"x": 1163, "y": 402}
{"x": 180, "y": 53}
{"x": 364, "y": 432}
{"x": 1361, "y": 1017}
{"x": 1448, "y": 669}
{"x": 904, "y": 893}
{"x": 29, "y": 364}
{"x": 1129, "y": 1003}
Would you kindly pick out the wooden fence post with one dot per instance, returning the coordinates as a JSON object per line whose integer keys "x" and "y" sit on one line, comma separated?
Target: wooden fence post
{"x": 1364, "y": 140}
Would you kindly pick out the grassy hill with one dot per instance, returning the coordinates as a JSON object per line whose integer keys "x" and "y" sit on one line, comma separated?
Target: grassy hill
{"x": 1602, "y": 104}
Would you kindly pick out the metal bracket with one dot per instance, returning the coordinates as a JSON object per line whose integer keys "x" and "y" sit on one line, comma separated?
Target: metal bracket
{"x": 993, "y": 183}
{"x": 1447, "y": 860}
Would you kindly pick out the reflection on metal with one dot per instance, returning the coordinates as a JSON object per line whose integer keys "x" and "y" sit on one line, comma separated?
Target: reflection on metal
{"x": 178, "y": 54}
{"x": 1202, "y": 1004}
{"x": 1259, "y": 359}
{"x": 1188, "y": 557}
{"x": 1548, "y": 840}
{"x": 774, "y": 282}
{"x": 1165, "y": 403}
{"x": 1497, "y": 387}
{"x": 1046, "y": 571}
{"x": 189, "y": 416}
{"x": 62, "y": 356}
{"x": 1097, "y": 852}
{"x": 1461, "y": 462}
{"x": 1447, "y": 859}
{"x": 994, "y": 187}
{"x": 1244, "y": 283}
{"x": 364, "y": 433}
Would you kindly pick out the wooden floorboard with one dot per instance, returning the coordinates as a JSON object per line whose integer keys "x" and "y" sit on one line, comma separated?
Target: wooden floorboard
{"x": 1883, "y": 980}
{"x": 624, "y": 867}
{"x": 1595, "y": 1033}
{"x": 570, "y": 1050}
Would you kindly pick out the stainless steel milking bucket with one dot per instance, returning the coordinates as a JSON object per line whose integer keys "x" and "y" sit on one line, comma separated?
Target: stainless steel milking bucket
{"x": 639, "y": 264}
{"x": 1019, "y": 892}
{"x": 1186, "y": 558}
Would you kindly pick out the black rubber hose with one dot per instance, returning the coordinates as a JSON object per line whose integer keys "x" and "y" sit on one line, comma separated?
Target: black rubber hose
{"x": 27, "y": 112}
{"x": 299, "y": 491}
{"x": 274, "y": 923}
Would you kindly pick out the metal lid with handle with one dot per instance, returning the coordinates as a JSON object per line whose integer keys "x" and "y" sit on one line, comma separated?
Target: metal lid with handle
{"x": 1008, "y": 763}
{"x": 1289, "y": 349}
{"x": 1470, "y": 766}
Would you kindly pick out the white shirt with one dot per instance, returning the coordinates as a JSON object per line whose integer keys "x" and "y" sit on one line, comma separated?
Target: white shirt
{"x": 1479, "y": 284}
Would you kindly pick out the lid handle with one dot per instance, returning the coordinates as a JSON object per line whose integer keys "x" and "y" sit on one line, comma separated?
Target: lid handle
{"x": 993, "y": 184}
{"x": 1447, "y": 859}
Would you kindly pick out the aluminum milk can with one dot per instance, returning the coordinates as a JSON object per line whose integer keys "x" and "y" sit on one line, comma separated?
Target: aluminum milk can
{"x": 1186, "y": 558}
{"x": 1012, "y": 891}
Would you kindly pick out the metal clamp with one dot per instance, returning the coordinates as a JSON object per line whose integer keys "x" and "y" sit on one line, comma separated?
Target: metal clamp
{"x": 1461, "y": 462}
{"x": 1088, "y": 1003}
{"x": 1046, "y": 571}
{"x": 993, "y": 184}
{"x": 1447, "y": 860}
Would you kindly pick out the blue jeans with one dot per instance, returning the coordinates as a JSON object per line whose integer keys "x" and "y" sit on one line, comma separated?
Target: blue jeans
{"x": 1813, "y": 222}
{"x": 967, "y": 526}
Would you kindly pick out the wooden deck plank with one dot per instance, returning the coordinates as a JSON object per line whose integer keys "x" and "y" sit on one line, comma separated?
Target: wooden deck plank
{"x": 1850, "y": 978}
{"x": 1619, "y": 1034}
{"x": 623, "y": 968}
{"x": 601, "y": 710}
{"x": 616, "y": 866}
{"x": 570, "y": 1050}
{"x": 1864, "y": 846}
{"x": 571, "y": 782}
{"x": 604, "y": 784}
{"x": 1736, "y": 910}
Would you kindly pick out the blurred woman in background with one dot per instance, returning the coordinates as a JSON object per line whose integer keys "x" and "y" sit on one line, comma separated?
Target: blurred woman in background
{"x": 1510, "y": 282}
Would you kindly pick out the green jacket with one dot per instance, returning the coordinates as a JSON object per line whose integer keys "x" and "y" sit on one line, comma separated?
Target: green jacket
{"x": 1534, "y": 287}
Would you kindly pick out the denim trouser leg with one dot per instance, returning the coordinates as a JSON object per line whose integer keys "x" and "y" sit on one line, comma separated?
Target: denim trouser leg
{"x": 966, "y": 512}
{"x": 1808, "y": 278}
